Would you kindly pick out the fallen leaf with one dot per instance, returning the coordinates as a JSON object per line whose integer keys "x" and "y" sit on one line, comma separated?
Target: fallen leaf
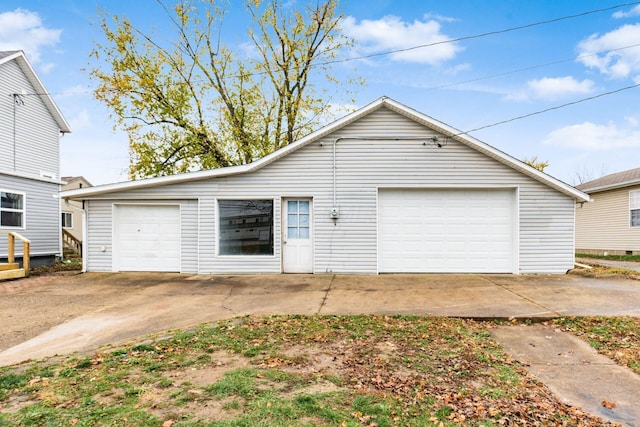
{"x": 608, "y": 405}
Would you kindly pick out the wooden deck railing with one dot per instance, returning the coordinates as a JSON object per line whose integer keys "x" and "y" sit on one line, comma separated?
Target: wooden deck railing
{"x": 70, "y": 241}
{"x": 11, "y": 250}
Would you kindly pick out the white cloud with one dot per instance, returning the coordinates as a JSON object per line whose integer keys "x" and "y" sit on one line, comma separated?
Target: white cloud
{"x": 552, "y": 88}
{"x": 82, "y": 120}
{"x": 635, "y": 11}
{"x": 589, "y": 136}
{"x": 392, "y": 33}
{"x": 559, "y": 87}
{"x": 621, "y": 63}
{"x": 23, "y": 30}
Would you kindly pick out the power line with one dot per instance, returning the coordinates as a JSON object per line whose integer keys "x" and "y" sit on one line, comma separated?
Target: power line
{"x": 531, "y": 67}
{"x": 475, "y": 36}
{"x": 546, "y": 110}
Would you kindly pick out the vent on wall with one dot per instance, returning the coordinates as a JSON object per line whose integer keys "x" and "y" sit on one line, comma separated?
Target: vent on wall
{"x": 48, "y": 175}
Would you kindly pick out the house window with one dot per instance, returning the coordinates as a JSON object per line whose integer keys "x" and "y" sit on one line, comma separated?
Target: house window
{"x": 67, "y": 220}
{"x": 245, "y": 227}
{"x": 11, "y": 209}
{"x": 634, "y": 208}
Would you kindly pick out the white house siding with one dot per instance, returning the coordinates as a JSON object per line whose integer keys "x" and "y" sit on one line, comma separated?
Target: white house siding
{"x": 100, "y": 232}
{"x": 42, "y": 216}
{"x": 36, "y": 132}
{"x": 604, "y": 225}
{"x": 363, "y": 166}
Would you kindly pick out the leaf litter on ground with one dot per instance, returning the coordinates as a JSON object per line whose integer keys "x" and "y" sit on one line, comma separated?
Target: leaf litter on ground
{"x": 291, "y": 370}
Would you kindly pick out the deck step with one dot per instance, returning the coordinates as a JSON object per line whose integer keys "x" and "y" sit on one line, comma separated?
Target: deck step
{"x": 9, "y": 266}
{"x": 12, "y": 274}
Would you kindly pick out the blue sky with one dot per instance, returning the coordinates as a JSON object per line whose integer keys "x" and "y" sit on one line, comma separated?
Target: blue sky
{"x": 469, "y": 84}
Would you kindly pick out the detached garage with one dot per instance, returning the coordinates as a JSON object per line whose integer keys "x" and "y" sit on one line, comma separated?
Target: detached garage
{"x": 385, "y": 189}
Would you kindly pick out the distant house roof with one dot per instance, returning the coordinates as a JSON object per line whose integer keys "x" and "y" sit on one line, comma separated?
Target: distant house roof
{"x": 21, "y": 59}
{"x": 324, "y": 131}
{"x": 612, "y": 181}
{"x": 70, "y": 179}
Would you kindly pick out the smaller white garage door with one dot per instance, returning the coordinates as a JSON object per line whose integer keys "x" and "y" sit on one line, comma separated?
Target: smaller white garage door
{"x": 446, "y": 231}
{"x": 147, "y": 238}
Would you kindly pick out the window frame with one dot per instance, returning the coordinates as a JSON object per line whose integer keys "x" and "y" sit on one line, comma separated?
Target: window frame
{"x": 62, "y": 221}
{"x": 634, "y": 207}
{"x": 22, "y": 211}
{"x": 219, "y": 227}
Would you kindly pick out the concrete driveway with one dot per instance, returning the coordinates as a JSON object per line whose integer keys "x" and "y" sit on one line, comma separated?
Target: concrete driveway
{"x": 45, "y": 316}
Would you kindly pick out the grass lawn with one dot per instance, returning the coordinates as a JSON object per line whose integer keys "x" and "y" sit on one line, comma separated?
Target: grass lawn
{"x": 615, "y": 337}
{"x": 630, "y": 258}
{"x": 297, "y": 371}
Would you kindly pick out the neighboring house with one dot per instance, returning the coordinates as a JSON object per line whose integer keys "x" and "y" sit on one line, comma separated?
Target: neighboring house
{"x": 71, "y": 215}
{"x": 385, "y": 189}
{"x": 611, "y": 222}
{"x": 30, "y": 128}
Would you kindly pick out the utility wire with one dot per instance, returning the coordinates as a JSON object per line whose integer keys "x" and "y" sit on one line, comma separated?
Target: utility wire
{"x": 475, "y": 36}
{"x": 546, "y": 110}
{"x": 531, "y": 67}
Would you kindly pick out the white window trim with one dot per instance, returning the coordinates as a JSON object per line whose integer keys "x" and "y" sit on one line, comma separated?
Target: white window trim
{"x": 70, "y": 216}
{"x": 23, "y": 210}
{"x": 634, "y": 205}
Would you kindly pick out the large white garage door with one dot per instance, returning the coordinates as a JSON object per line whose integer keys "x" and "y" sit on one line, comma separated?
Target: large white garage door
{"x": 147, "y": 238}
{"x": 446, "y": 231}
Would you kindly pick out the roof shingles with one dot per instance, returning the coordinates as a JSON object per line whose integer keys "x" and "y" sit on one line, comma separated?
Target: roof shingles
{"x": 611, "y": 181}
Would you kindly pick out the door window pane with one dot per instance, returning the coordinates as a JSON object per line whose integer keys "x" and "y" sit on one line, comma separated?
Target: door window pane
{"x": 298, "y": 219}
{"x": 246, "y": 227}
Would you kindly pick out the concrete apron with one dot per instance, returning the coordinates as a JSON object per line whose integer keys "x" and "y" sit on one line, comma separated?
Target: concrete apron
{"x": 189, "y": 300}
{"x": 574, "y": 371}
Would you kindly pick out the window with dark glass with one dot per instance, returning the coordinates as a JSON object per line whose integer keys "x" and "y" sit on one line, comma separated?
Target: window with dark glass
{"x": 11, "y": 209}
{"x": 245, "y": 227}
{"x": 634, "y": 208}
{"x": 67, "y": 220}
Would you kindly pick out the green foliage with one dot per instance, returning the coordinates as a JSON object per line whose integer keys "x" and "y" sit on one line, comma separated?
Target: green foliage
{"x": 198, "y": 103}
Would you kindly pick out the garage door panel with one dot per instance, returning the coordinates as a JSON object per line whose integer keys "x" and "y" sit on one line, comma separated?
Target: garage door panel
{"x": 446, "y": 230}
{"x": 147, "y": 238}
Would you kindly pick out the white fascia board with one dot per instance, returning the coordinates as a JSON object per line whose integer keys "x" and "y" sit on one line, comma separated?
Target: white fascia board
{"x": 490, "y": 151}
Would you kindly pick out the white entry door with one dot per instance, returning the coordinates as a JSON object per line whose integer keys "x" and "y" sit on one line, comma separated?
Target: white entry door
{"x": 297, "y": 248}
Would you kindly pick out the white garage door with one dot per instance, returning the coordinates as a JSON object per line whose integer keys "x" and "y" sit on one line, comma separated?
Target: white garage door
{"x": 147, "y": 238}
{"x": 446, "y": 231}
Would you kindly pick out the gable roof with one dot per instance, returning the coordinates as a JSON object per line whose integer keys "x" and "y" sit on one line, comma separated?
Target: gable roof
{"x": 35, "y": 81}
{"x": 612, "y": 181}
{"x": 331, "y": 128}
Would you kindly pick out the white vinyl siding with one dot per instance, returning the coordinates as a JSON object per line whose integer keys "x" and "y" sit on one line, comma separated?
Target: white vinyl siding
{"x": 30, "y": 143}
{"x": 101, "y": 239}
{"x": 349, "y": 245}
{"x": 41, "y": 215}
{"x": 604, "y": 224}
